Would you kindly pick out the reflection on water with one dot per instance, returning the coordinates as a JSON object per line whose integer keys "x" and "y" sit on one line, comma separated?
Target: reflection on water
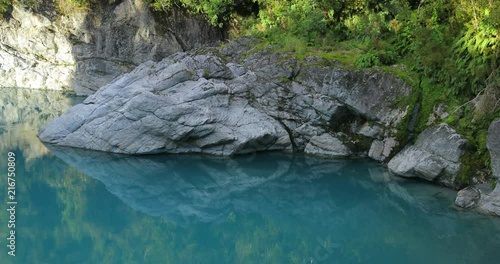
{"x": 80, "y": 206}
{"x": 23, "y": 112}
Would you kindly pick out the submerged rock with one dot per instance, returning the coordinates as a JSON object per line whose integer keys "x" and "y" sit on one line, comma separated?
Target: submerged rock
{"x": 203, "y": 102}
{"x": 434, "y": 157}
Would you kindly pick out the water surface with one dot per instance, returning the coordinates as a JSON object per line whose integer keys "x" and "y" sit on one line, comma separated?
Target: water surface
{"x": 78, "y": 206}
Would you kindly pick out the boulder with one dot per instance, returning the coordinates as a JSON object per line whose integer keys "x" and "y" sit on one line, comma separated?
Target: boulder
{"x": 168, "y": 107}
{"x": 328, "y": 146}
{"x": 490, "y": 202}
{"x": 468, "y": 197}
{"x": 434, "y": 157}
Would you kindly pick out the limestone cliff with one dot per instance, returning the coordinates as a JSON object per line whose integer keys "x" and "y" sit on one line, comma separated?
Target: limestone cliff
{"x": 87, "y": 50}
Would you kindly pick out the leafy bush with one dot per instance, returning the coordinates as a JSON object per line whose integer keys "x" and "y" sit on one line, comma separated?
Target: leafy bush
{"x": 4, "y": 7}
{"x": 217, "y": 11}
{"x": 367, "y": 60}
{"x": 69, "y": 7}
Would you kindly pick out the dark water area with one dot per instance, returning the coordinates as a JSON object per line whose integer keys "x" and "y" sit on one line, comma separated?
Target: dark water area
{"x": 77, "y": 206}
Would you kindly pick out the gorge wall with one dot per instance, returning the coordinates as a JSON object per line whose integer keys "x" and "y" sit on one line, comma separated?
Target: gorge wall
{"x": 86, "y": 50}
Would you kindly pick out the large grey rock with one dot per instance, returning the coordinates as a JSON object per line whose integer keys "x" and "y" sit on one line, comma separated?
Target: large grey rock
{"x": 434, "y": 157}
{"x": 86, "y": 51}
{"x": 170, "y": 107}
{"x": 327, "y": 145}
{"x": 212, "y": 101}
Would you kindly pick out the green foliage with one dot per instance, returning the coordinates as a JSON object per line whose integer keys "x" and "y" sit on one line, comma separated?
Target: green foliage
{"x": 217, "y": 11}
{"x": 367, "y": 60}
{"x": 4, "y": 7}
{"x": 69, "y": 7}
{"x": 375, "y": 58}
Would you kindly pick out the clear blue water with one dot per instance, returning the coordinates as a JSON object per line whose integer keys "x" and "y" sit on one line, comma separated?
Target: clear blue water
{"x": 79, "y": 206}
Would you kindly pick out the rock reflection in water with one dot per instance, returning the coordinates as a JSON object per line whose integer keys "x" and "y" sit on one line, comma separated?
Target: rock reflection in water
{"x": 186, "y": 188}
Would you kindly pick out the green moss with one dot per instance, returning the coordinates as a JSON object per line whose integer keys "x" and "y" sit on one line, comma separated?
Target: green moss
{"x": 476, "y": 160}
{"x": 474, "y": 164}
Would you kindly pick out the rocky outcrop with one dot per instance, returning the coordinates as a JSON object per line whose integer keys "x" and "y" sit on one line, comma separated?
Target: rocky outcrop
{"x": 490, "y": 201}
{"x": 85, "y": 51}
{"x": 434, "y": 157}
{"x": 493, "y": 144}
{"x": 208, "y": 102}
{"x": 174, "y": 106}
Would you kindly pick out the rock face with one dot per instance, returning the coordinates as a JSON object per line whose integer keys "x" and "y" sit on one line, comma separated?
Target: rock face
{"x": 221, "y": 101}
{"x": 85, "y": 51}
{"x": 490, "y": 202}
{"x": 434, "y": 157}
{"x": 493, "y": 144}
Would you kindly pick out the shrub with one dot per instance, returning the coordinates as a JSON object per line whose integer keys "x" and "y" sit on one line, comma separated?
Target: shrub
{"x": 5, "y": 5}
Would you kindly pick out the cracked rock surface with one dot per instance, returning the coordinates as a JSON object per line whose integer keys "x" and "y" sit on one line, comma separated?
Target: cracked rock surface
{"x": 232, "y": 100}
{"x": 434, "y": 157}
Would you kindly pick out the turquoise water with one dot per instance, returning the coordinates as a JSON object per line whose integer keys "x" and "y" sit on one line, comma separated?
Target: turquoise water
{"x": 77, "y": 206}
